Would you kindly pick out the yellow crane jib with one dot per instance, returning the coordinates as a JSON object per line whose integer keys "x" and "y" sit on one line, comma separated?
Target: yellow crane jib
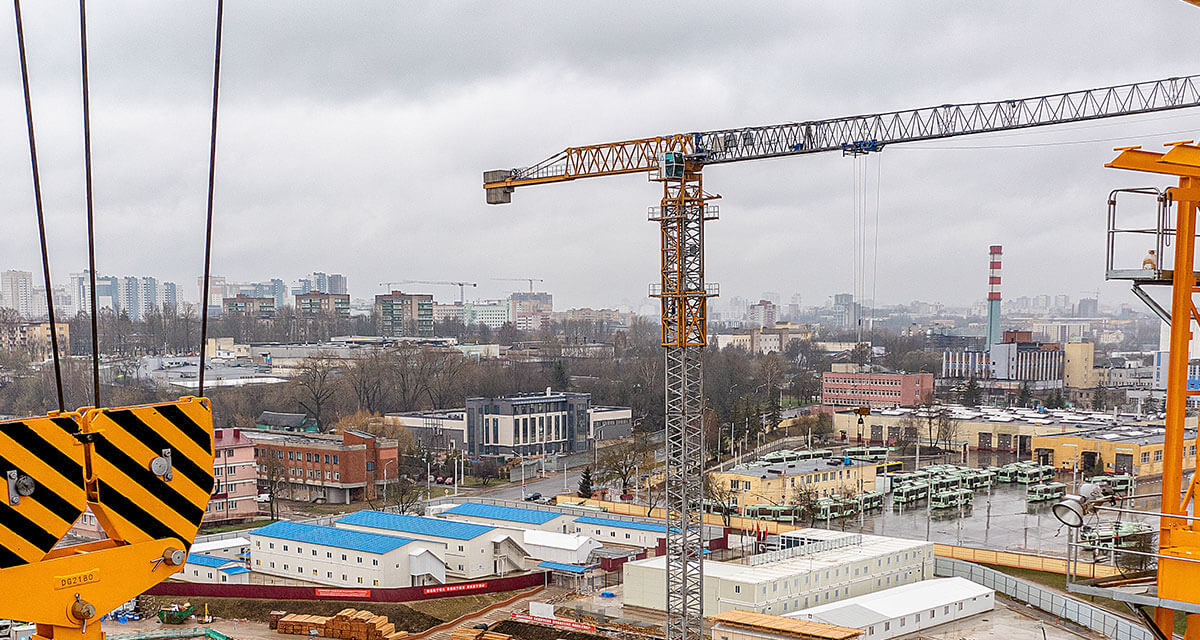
{"x": 145, "y": 471}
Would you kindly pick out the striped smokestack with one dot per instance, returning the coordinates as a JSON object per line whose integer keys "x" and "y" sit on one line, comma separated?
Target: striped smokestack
{"x": 993, "y": 325}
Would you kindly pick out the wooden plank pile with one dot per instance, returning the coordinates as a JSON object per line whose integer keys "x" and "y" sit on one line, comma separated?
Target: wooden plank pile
{"x": 469, "y": 633}
{"x": 348, "y": 624}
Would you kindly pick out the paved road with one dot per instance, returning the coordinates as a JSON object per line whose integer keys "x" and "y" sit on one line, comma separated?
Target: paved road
{"x": 549, "y": 486}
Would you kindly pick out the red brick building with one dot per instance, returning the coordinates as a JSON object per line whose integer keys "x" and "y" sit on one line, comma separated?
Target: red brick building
{"x": 875, "y": 390}
{"x": 344, "y": 467}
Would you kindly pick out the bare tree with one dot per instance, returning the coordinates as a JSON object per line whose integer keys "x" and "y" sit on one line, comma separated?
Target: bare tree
{"x": 720, "y": 497}
{"x": 367, "y": 375}
{"x": 317, "y": 383}
{"x": 621, "y": 462}
{"x": 274, "y": 474}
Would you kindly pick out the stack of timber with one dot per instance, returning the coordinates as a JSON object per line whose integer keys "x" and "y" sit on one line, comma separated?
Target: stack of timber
{"x": 348, "y": 624}
{"x": 469, "y": 633}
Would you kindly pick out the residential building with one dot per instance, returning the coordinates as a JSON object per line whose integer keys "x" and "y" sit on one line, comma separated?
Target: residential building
{"x": 905, "y": 610}
{"x": 338, "y": 468}
{"x": 816, "y": 566}
{"x": 341, "y": 557}
{"x": 337, "y": 283}
{"x": 793, "y": 482}
{"x": 528, "y": 423}
{"x": 471, "y": 551}
{"x": 16, "y": 291}
{"x": 235, "y": 496}
{"x": 447, "y": 312}
{"x": 64, "y": 304}
{"x": 404, "y": 314}
{"x": 849, "y": 388}
{"x": 1079, "y": 365}
{"x": 762, "y": 315}
{"x": 492, "y": 315}
{"x": 247, "y": 306}
{"x": 315, "y": 303}
{"x": 530, "y": 311}
{"x": 611, "y": 317}
{"x": 34, "y": 338}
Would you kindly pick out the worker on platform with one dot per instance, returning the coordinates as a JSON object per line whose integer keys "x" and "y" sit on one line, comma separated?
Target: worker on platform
{"x": 1150, "y": 262}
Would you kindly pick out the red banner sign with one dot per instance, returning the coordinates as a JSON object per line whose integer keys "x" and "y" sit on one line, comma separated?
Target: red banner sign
{"x": 448, "y": 588}
{"x": 553, "y": 622}
{"x": 343, "y": 593}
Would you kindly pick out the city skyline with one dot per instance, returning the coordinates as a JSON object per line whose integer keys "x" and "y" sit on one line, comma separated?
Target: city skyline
{"x": 415, "y": 122}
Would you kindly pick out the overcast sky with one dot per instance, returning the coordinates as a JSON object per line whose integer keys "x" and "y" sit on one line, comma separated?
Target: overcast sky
{"x": 353, "y": 136}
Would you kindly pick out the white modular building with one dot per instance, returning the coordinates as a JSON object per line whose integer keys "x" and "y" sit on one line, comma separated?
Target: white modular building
{"x": 468, "y": 550}
{"x": 610, "y": 531}
{"x": 231, "y": 548}
{"x": 832, "y": 566}
{"x": 907, "y": 609}
{"x": 563, "y": 548}
{"x": 212, "y": 569}
{"x": 515, "y": 519}
{"x": 341, "y": 557}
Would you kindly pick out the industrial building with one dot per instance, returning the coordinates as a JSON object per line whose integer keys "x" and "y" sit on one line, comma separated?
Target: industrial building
{"x": 848, "y": 387}
{"x": 785, "y": 483}
{"x": 905, "y": 610}
{"x": 470, "y": 550}
{"x": 983, "y": 428}
{"x": 1117, "y": 448}
{"x": 341, "y": 557}
{"x": 621, "y": 532}
{"x": 815, "y": 566}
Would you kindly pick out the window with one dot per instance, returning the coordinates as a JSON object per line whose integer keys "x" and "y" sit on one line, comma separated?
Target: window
{"x": 360, "y": 559}
{"x": 328, "y": 554}
{"x": 328, "y": 574}
{"x": 285, "y": 547}
{"x": 737, "y": 588}
{"x": 1158, "y": 455}
{"x": 314, "y": 552}
{"x": 291, "y": 455}
{"x": 375, "y": 583}
{"x": 375, "y": 562}
{"x": 327, "y": 458}
{"x": 343, "y": 557}
{"x": 360, "y": 579}
{"x": 1145, "y": 457}
{"x": 285, "y": 567}
{"x": 299, "y": 550}
{"x": 733, "y": 484}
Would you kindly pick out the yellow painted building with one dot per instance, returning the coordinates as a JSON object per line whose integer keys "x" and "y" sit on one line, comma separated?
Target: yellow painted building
{"x": 1078, "y": 365}
{"x": 780, "y": 484}
{"x": 994, "y": 431}
{"x": 1136, "y": 449}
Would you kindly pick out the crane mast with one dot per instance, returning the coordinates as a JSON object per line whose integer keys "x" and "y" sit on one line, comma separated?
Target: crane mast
{"x": 677, "y": 160}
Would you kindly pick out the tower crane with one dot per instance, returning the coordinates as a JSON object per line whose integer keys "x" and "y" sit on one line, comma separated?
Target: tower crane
{"x": 677, "y": 161}
{"x": 461, "y": 285}
{"x": 529, "y": 280}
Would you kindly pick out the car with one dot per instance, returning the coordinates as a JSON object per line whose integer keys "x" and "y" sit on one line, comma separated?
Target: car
{"x": 533, "y": 496}
{"x": 545, "y": 500}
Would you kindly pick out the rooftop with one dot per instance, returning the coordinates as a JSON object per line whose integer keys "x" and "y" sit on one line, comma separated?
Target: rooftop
{"x": 1132, "y": 434}
{"x": 1065, "y": 418}
{"x": 871, "y": 547}
{"x": 798, "y": 467}
{"x": 561, "y": 566}
{"x": 895, "y": 602}
{"x": 206, "y": 560}
{"x": 332, "y": 537}
{"x": 416, "y": 525}
{"x": 802, "y": 629}
{"x": 622, "y": 524}
{"x": 498, "y": 512}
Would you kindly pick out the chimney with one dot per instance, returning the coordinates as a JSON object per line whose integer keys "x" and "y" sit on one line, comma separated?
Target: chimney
{"x": 993, "y": 320}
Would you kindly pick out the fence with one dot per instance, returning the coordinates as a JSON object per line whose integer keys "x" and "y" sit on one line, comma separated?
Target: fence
{"x": 1058, "y": 604}
{"x": 398, "y": 594}
{"x": 1023, "y": 561}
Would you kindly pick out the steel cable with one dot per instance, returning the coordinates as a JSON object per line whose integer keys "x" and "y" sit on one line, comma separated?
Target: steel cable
{"x": 87, "y": 170}
{"x": 37, "y": 199}
{"x": 212, "y": 168}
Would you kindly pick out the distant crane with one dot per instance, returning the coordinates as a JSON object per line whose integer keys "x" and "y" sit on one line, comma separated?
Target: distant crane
{"x": 529, "y": 280}
{"x": 461, "y": 285}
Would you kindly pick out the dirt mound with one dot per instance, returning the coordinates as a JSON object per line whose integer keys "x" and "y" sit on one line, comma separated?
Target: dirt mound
{"x": 522, "y": 631}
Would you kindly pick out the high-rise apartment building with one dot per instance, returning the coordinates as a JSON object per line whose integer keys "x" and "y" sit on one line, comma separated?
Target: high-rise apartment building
{"x": 404, "y": 314}
{"x": 16, "y": 289}
{"x": 315, "y": 303}
{"x": 762, "y": 315}
{"x": 531, "y": 310}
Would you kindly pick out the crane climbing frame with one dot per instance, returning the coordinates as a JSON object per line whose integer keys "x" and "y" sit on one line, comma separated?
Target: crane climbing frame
{"x": 1179, "y": 540}
{"x": 145, "y": 471}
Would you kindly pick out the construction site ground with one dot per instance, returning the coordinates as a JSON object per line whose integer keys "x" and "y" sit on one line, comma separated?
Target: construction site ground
{"x": 246, "y": 618}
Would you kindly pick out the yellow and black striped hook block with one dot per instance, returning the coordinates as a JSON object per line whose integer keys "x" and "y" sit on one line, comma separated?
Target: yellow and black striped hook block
{"x": 150, "y": 469}
{"x": 147, "y": 474}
